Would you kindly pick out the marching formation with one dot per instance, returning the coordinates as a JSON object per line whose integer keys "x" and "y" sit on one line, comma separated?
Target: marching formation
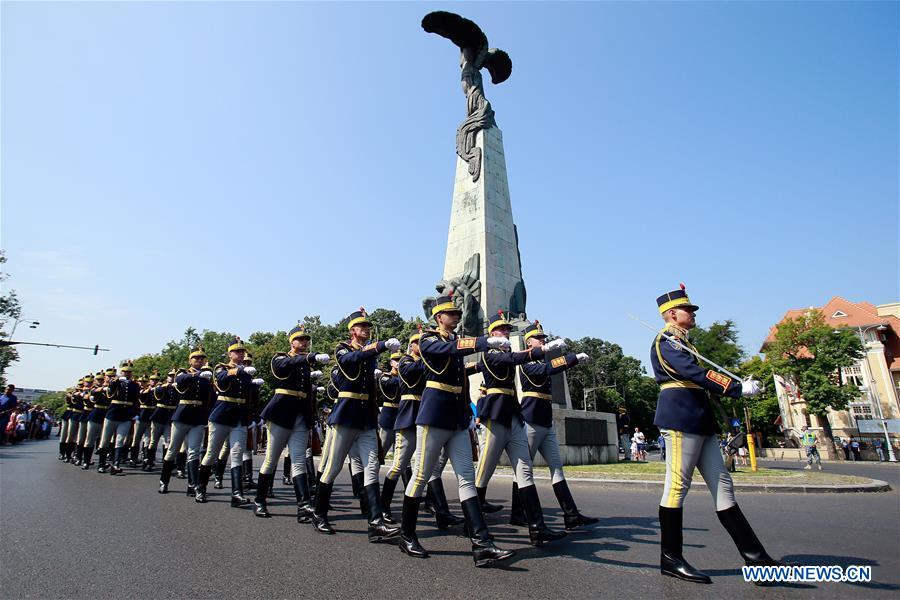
{"x": 415, "y": 402}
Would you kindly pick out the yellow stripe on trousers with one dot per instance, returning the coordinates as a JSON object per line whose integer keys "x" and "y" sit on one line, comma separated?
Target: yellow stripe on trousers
{"x": 677, "y": 480}
{"x": 483, "y": 455}
{"x": 420, "y": 481}
{"x": 398, "y": 451}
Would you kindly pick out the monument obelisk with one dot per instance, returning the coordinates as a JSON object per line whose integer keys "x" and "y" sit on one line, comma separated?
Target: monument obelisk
{"x": 482, "y": 264}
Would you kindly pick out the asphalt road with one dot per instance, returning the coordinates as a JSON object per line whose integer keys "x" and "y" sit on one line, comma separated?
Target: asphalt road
{"x": 68, "y": 533}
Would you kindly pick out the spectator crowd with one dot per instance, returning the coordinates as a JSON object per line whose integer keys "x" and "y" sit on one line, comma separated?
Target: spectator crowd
{"x": 20, "y": 422}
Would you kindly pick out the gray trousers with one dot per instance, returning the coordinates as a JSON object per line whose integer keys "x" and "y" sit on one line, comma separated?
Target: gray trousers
{"x": 82, "y": 433}
{"x": 387, "y": 439}
{"x": 190, "y": 436}
{"x": 119, "y": 429}
{"x": 72, "y": 430}
{"x": 218, "y": 435}
{"x": 157, "y": 431}
{"x": 404, "y": 449}
{"x": 684, "y": 452}
{"x": 625, "y": 442}
{"x": 92, "y": 432}
{"x": 431, "y": 442}
{"x": 64, "y": 429}
{"x": 498, "y": 438}
{"x": 140, "y": 427}
{"x": 543, "y": 440}
{"x": 360, "y": 444}
{"x": 297, "y": 441}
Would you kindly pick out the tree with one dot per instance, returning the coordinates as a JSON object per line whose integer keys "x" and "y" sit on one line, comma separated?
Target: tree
{"x": 10, "y": 310}
{"x": 812, "y": 354}
{"x": 53, "y": 402}
{"x": 763, "y": 408}
{"x": 629, "y": 384}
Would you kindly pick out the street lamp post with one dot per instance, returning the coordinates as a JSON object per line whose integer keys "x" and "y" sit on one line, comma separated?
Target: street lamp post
{"x": 870, "y": 381}
{"x": 32, "y": 325}
{"x": 594, "y": 389}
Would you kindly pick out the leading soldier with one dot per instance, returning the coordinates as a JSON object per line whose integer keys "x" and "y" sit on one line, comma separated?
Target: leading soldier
{"x": 684, "y": 415}
{"x": 123, "y": 397}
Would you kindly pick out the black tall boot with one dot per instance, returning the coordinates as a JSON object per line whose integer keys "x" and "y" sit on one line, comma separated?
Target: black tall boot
{"x": 133, "y": 456}
{"x": 218, "y": 474}
{"x": 181, "y": 465}
{"x": 78, "y": 451}
{"x": 149, "y": 458}
{"x": 248, "y": 475}
{"x": 671, "y": 562}
{"x": 358, "y": 482}
{"x": 484, "y": 552}
{"x": 538, "y": 532}
{"x": 101, "y": 460}
{"x": 260, "y": 507}
{"x": 115, "y": 469}
{"x": 378, "y": 529}
{"x": 442, "y": 513}
{"x": 486, "y": 506}
{"x": 409, "y": 541}
{"x": 286, "y": 471}
{"x": 517, "y": 514}
{"x": 203, "y": 473}
{"x": 237, "y": 488}
{"x": 62, "y": 451}
{"x": 320, "y": 514}
{"x": 310, "y": 474}
{"x": 193, "y": 469}
{"x": 428, "y": 505}
{"x": 387, "y": 497}
{"x": 165, "y": 476}
{"x": 69, "y": 449}
{"x": 301, "y": 491}
{"x": 86, "y": 458}
{"x": 572, "y": 517}
{"x": 406, "y": 476}
{"x": 745, "y": 539}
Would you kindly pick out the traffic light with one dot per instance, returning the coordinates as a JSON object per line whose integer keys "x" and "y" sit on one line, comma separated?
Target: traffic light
{"x": 96, "y": 349}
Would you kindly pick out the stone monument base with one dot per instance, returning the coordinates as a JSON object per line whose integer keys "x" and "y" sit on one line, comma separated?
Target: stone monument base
{"x": 585, "y": 438}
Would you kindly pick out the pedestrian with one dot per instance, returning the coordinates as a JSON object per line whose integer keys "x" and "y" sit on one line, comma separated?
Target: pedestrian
{"x": 879, "y": 449}
{"x": 854, "y": 448}
{"x": 808, "y": 440}
{"x": 640, "y": 445}
{"x": 8, "y": 403}
{"x": 623, "y": 424}
{"x": 662, "y": 447}
{"x": 845, "y": 446}
{"x": 685, "y": 416}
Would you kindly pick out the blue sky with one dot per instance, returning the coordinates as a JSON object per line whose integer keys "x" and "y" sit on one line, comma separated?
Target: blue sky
{"x": 236, "y": 166}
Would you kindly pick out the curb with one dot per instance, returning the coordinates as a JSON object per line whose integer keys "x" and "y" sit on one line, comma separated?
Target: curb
{"x": 875, "y": 485}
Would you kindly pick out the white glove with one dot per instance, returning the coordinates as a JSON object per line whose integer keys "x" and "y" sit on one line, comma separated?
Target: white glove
{"x": 320, "y": 389}
{"x": 750, "y": 387}
{"x": 554, "y": 344}
{"x": 123, "y": 379}
{"x": 322, "y": 358}
{"x": 315, "y": 374}
{"x": 251, "y": 371}
{"x": 206, "y": 374}
{"x": 498, "y": 342}
{"x": 582, "y": 357}
{"x": 378, "y": 373}
{"x": 393, "y": 344}
{"x": 257, "y": 381}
